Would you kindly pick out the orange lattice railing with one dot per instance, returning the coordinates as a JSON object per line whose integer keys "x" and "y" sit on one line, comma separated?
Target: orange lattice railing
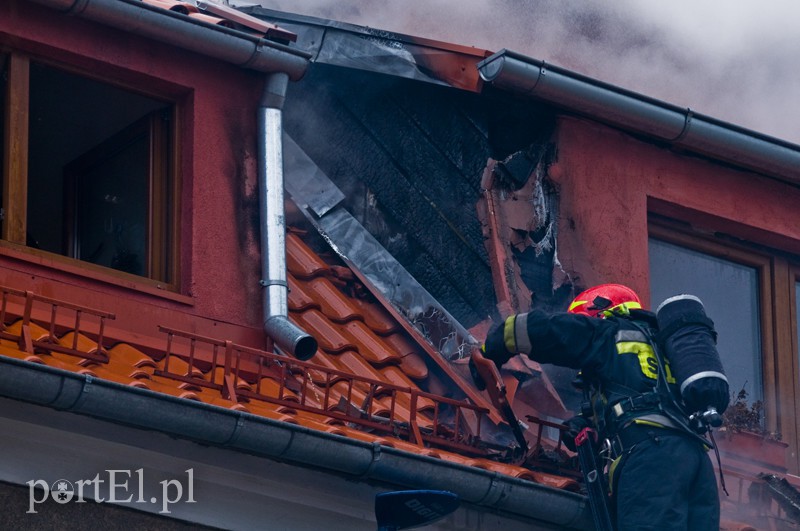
{"x": 242, "y": 373}
{"x": 43, "y": 318}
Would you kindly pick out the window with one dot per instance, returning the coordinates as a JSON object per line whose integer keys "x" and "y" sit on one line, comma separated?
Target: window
{"x": 89, "y": 171}
{"x": 797, "y": 318}
{"x": 751, "y": 293}
{"x": 729, "y": 292}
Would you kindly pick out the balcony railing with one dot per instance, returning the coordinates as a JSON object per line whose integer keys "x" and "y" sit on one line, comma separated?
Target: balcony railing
{"x": 52, "y": 324}
{"x": 242, "y": 373}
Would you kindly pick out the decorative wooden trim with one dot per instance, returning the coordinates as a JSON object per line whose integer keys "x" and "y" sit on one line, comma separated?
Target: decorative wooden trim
{"x": 15, "y": 149}
{"x": 65, "y": 264}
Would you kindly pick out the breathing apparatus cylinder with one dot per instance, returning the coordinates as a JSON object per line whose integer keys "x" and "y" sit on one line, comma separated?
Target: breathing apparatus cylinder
{"x": 689, "y": 341}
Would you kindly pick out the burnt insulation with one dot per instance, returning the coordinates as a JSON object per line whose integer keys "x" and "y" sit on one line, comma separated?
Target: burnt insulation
{"x": 409, "y": 157}
{"x": 787, "y": 497}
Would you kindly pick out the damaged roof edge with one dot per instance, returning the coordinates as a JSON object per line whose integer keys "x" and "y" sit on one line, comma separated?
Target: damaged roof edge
{"x": 226, "y": 44}
{"x": 677, "y": 126}
{"x": 141, "y": 408}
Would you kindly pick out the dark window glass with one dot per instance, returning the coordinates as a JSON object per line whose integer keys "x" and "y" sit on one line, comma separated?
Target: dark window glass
{"x": 730, "y": 294}
{"x": 797, "y": 318}
{"x": 97, "y": 171}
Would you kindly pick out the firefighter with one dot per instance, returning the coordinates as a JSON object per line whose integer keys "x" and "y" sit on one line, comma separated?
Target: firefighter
{"x": 659, "y": 473}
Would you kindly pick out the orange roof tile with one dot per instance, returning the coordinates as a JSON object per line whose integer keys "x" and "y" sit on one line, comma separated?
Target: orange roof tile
{"x": 220, "y": 15}
{"x": 370, "y": 380}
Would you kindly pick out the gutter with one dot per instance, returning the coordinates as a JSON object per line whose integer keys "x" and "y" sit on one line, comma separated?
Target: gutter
{"x": 235, "y": 430}
{"x": 273, "y": 222}
{"x": 226, "y": 44}
{"x": 676, "y": 126}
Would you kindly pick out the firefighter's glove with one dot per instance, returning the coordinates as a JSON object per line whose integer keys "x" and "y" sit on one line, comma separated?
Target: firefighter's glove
{"x": 494, "y": 348}
{"x": 476, "y": 377}
{"x": 574, "y": 426}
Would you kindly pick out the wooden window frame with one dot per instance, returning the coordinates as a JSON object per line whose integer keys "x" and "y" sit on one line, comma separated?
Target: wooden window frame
{"x": 163, "y": 231}
{"x": 779, "y": 356}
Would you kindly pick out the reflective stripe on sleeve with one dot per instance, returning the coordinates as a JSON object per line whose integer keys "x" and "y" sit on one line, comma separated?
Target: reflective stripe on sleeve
{"x": 508, "y": 334}
{"x": 521, "y": 337}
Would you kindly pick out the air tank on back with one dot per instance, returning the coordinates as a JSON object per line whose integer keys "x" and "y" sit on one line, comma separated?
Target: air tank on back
{"x": 689, "y": 342}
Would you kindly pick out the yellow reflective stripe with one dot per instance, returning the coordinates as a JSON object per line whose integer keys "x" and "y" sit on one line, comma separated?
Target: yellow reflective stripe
{"x": 647, "y": 358}
{"x": 611, "y": 470}
{"x": 622, "y": 309}
{"x": 521, "y": 334}
{"x": 642, "y": 422}
{"x": 575, "y": 304}
{"x": 508, "y": 334}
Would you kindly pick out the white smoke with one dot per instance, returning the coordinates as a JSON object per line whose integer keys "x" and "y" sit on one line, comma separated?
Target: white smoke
{"x": 734, "y": 60}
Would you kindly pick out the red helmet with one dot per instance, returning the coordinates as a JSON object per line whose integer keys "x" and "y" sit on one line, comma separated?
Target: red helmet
{"x": 604, "y": 300}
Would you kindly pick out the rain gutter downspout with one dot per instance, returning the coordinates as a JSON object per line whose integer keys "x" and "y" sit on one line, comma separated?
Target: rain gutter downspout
{"x": 226, "y": 44}
{"x": 677, "y": 126}
{"x": 286, "y": 335}
{"x": 240, "y": 431}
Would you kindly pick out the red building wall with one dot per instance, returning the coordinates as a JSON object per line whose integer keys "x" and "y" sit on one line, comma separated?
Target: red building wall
{"x": 608, "y": 181}
{"x": 219, "y": 223}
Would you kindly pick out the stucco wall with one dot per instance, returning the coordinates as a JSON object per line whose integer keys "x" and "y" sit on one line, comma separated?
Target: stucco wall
{"x": 219, "y": 223}
{"x": 607, "y": 181}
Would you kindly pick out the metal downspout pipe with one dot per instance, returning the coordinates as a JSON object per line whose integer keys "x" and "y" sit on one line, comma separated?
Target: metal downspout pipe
{"x": 286, "y": 335}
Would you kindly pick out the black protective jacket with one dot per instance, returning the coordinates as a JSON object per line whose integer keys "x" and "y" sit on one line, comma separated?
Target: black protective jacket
{"x": 615, "y": 357}
{"x": 663, "y": 479}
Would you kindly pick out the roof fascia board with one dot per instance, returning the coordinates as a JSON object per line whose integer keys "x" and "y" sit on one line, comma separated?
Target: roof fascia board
{"x": 676, "y": 126}
{"x": 226, "y": 44}
{"x": 374, "y": 50}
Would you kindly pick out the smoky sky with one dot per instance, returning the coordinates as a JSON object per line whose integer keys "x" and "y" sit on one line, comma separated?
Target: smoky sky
{"x": 735, "y": 60}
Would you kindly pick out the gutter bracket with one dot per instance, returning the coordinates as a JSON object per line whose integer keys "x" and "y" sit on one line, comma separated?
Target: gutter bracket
{"x": 687, "y": 123}
{"x": 376, "y": 456}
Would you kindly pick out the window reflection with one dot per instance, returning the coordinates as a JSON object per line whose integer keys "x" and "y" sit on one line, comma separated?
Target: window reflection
{"x": 729, "y": 292}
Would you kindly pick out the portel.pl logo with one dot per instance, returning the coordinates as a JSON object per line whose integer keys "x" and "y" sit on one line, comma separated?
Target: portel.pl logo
{"x": 120, "y": 486}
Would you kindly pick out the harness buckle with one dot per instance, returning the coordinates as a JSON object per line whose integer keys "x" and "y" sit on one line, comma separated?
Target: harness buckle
{"x": 583, "y": 436}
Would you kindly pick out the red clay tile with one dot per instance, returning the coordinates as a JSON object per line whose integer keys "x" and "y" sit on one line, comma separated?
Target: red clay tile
{"x": 375, "y": 317}
{"x": 131, "y": 355}
{"x": 414, "y": 366}
{"x": 400, "y": 343}
{"x": 217, "y": 376}
{"x": 335, "y": 305}
{"x": 298, "y": 299}
{"x": 176, "y": 365}
{"x": 301, "y": 261}
{"x": 320, "y": 377}
{"x": 183, "y": 8}
{"x": 369, "y": 346}
{"x": 271, "y": 388}
{"x": 328, "y": 335}
{"x": 77, "y": 342}
{"x": 350, "y": 361}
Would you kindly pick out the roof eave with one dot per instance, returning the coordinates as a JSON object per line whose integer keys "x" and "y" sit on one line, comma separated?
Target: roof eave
{"x": 240, "y": 431}
{"x": 675, "y": 126}
{"x": 230, "y": 45}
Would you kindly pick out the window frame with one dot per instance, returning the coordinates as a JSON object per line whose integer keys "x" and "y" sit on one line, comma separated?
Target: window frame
{"x": 779, "y": 359}
{"x": 164, "y": 183}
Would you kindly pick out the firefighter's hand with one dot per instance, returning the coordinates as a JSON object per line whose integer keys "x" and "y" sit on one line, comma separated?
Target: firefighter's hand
{"x": 574, "y": 426}
{"x": 494, "y": 348}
